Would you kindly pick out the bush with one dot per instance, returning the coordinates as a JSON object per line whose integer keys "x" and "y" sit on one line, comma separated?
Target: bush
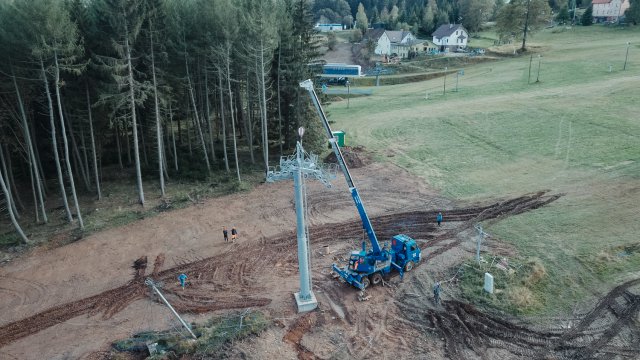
{"x": 332, "y": 41}
{"x": 356, "y": 36}
{"x": 212, "y": 336}
{"x": 521, "y": 297}
{"x": 587, "y": 17}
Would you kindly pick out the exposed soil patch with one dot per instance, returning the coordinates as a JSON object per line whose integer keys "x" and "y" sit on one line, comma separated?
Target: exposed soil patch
{"x": 355, "y": 157}
{"x": 222, "y": 282}
{"x": 67, "y": 287}
{"x": 296, "y": 332}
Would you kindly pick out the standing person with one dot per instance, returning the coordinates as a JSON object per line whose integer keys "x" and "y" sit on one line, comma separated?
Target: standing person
{"x": 234, "y": 234}
{"x": 439, "y": 218}
{"x": 436, "y": 292}
{"x": 183, "y": 280}
{"x": 225, "y": 234}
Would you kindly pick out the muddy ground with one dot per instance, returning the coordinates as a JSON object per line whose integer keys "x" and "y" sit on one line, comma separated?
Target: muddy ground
{"x": 72, "y": 302}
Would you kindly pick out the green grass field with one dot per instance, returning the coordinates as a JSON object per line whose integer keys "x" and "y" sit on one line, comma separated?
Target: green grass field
{"x": 576, "y": 132}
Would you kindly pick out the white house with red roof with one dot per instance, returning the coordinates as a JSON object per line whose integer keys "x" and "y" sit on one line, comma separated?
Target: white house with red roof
{"x": 609, "y": 10}
{"x": 450, "y": 37}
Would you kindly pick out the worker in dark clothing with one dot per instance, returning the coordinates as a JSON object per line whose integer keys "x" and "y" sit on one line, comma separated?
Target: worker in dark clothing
{"x": 225, "y": 233}
{"x": 436, "y": 293}
{"x": 439, "y": 218}
{"x": 234, "y": 234}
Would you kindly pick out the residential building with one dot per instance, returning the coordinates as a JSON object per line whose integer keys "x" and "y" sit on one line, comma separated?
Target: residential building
{"x": 450, "y": 37}
{"x": 380, "y": 38}
{"x": 609, "y": 10}
{"x": 400, "y": 37}
{"x": 328, "y": 27}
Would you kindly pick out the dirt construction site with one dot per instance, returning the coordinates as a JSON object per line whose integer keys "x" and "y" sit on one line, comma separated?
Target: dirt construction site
{"x": 74, "y": 301}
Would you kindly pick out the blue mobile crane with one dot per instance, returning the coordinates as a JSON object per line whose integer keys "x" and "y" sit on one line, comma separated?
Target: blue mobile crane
{"x": 367, "y": 267}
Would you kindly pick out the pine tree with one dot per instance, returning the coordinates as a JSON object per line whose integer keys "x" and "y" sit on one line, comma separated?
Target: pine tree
{"x": 587, "y": 17}
{"x": 632, "y": 13}
{"x": 361, "y": 19}
{"x": 121, "y": 21}
{"x": 522, "y": 17}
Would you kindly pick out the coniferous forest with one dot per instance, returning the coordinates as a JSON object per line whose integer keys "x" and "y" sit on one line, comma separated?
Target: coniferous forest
{"x": 155, "y": 89}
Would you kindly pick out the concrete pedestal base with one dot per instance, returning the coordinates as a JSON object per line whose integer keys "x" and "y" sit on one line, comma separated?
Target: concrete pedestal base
{"x": 306, "y": 305}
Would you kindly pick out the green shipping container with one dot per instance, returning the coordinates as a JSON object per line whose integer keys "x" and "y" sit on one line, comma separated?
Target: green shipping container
{"x": 339, "y": 135}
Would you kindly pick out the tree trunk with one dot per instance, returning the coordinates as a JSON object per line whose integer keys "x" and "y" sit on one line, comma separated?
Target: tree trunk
{"x": 54, "y": 142}
{"x": 526, "y": 25}
{"x": 222, "y": 122}
{"x": 233, "y": 123}
{"x": 187, "y": 130}
{"x": 197, "y": 118}
{"x": 10, "y": 209}
{"x": 85, "y": 158}
{"x": 93, "y": 145}
{"x": 76, "y": 152}
{"x": 10, "y": 199}
{"x": 209, "y": 121}
{"x": 66, "y": 145}
{"x": 117, "y": 134}
{"x": 248, "y": 123}
{"x": 12, "y": 181}
{"x": 125, "y": 131}
{"x": 136, "y": 152}
{"x": 157, "y": 110}
{"x": 280, "y": 142}
{"x": 173, "y": 138}
{"x": 32, "y": 156}
{"x": 265, "y": 137}
{"x": 33, "y": 189}
{"x": 142, "y": 141}
{"x": 42, "y": 181}
{"x": 179, "y": 129}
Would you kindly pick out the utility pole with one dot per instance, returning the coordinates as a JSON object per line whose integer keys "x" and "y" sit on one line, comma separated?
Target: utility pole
{"x": 348, "y": 93}
{"x": 149, "y": 282}
{"x": 530, "y": 61}
{"x": 481, "y": 235}
{"x": 460, "y": 72}
{"x": 626, "y": 57}
{"x": 538, "y": 77}
{"x": 301, "y": 166}
{"x": 444, "y": 84}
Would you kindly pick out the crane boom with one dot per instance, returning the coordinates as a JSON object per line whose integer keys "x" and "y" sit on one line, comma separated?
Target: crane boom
{"x": 366, "y": 222}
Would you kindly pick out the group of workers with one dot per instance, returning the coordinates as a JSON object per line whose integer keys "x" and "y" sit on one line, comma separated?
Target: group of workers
{"x": 182, "y": 278}
{"x": 225, "y": 233}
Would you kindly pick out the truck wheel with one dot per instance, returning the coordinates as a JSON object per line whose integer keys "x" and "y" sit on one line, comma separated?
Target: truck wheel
{"x": 408, "y": 266}
{"x": 365, "y": 282}
{"x": 376, "y": 279}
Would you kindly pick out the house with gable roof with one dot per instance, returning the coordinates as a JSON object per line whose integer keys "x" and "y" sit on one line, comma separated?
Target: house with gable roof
{"x": 381, "y": 39}
{"x": 450, "y": 37}
{"x": 609, "y": 10}
{"x": 401, "y": 43}
{"x": 400, "y": 36}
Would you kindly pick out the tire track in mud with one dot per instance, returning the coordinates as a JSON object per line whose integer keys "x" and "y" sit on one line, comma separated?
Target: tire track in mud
{"x": 31, "y": 292}
{"x": 235, "y": 289}
{"x": 468, "y": 331}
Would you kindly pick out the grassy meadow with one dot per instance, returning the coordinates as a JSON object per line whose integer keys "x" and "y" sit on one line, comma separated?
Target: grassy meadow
{"x": 576, "y": 132}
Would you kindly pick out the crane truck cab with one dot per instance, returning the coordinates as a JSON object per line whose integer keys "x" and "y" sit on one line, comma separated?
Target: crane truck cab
{"x": 406, "y": 252}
